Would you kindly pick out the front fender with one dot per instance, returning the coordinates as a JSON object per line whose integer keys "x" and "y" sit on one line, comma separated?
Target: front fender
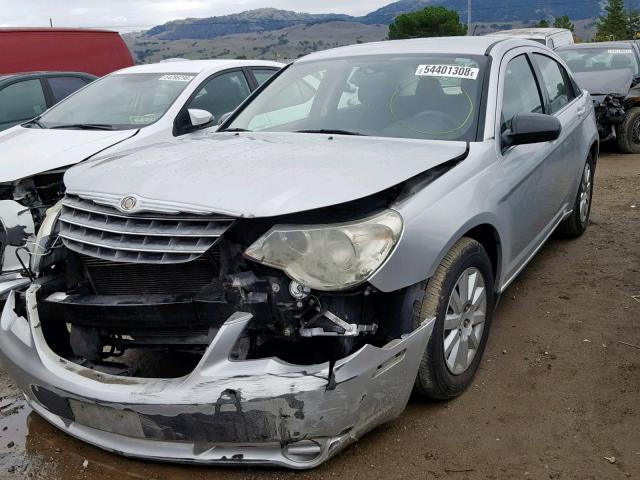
{"x": 439, "y": 215}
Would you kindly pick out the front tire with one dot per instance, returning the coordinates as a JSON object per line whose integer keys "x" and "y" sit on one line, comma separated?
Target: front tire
{"x": 460, "y": 296}
{"x": 628, "y": 134}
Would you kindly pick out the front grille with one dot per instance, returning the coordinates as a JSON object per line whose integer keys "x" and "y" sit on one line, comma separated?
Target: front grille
{"x": 104, "y": 232}
{"x": 115, "y": 278}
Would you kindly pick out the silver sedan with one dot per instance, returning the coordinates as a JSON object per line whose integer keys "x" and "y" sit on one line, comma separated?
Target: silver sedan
{"x": 286, "y": 282}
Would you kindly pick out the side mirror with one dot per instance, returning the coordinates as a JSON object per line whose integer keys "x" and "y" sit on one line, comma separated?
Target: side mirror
{"x": 531, "y": 128}
{"x": 223, "y": 118}
{"x": 199, "y": 117}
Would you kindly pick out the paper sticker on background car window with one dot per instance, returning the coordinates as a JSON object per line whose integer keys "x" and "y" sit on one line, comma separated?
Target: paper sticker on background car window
{"x": 144, "y": 119}
{"x": 176, "y": 78}
{"x": 619, "y": 50}
{"x": 453, "y": 71}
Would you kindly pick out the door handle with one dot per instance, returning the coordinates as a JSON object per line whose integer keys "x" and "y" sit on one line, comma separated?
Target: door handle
{"x": 581, "y": 111}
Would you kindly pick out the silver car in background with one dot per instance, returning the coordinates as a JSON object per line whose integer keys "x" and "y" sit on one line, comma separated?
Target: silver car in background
{"x": 269, "y": 293}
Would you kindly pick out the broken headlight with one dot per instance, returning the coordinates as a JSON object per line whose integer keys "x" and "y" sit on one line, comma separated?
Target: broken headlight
{"x": 329, "y": 257}
{"x": 44, "y": 238}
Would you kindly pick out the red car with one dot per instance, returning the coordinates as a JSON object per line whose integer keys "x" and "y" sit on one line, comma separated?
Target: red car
{"x": 62, "y": 49}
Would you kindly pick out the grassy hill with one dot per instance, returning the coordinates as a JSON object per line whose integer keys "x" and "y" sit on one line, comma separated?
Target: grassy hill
{"x": 270, "y": 33}
{"x": 287, "y": 43}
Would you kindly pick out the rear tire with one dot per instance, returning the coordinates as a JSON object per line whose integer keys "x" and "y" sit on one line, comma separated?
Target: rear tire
{"x": 628, "y": 133}
{"x": 576, "y": 224}
{"x": 463, "y": 315}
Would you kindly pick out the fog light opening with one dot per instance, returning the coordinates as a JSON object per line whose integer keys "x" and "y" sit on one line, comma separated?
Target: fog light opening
{"x": 302, "y": 451}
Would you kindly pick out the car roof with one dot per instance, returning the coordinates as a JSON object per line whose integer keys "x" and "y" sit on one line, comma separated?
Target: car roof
{"x": 196, "y": 66}
{"x": 455, "y": 45}
{"x": 11, "y": 76}
{"x": 528, "y": 32}
{"x": 53, "y": 30}
{"x": 584, "y": 46}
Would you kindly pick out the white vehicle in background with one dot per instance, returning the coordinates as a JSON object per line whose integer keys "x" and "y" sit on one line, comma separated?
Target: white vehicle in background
{"x": 129, "y": 108}
{"x": 551, "y": 37}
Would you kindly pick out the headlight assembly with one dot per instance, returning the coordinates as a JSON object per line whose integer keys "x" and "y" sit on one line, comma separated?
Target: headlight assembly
{"x": 329, "y": 257}
{"x": 44, "y": 238}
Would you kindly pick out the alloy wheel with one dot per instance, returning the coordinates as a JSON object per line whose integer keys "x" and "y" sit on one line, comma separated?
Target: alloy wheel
{"x": 464, "y": 321}
{"x": 585, "y": 193}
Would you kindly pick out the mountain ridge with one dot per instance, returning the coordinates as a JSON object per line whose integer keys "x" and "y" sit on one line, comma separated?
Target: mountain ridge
{"x": 272, "y": 19}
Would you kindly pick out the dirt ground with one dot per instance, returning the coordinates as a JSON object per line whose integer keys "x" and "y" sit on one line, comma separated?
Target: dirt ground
{"x": 556, "y": 395}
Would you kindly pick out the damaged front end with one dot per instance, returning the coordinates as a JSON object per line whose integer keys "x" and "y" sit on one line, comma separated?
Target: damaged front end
{"x": 180, "y": 337}
{"x": 23, "y": 206}
{"x": 610, "y": 115}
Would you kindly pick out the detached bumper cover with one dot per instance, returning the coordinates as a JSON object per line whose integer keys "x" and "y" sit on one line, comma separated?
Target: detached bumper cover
{"x": 9, "y": 282}
{"x": 225, "y": 412}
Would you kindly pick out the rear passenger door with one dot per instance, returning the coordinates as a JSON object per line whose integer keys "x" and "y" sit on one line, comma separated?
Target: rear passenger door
{"x": 21, "y": 101}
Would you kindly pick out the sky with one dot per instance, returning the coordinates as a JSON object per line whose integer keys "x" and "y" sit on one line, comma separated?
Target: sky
{"x": 130, "y": 15}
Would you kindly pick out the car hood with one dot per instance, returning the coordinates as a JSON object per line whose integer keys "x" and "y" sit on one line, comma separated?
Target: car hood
{"x": 605, "y": 82}
{"x": 27, "y": 151}
{"x": 258, "y": 174}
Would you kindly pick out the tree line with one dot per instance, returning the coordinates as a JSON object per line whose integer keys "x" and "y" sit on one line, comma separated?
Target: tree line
{"x": 617, "y": 23}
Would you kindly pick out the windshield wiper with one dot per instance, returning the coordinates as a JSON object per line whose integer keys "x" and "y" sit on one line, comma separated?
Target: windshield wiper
{"x": 85, "y": 126}
{"x": 234, "y": 130}
{"x": 34, "y": 121}
{"x": 330, "y": 131}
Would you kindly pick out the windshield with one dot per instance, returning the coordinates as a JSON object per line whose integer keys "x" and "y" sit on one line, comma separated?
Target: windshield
{"x": 599, "y": 59}
{"x": 120, "y": 101}
{"x": 423, "y": 97}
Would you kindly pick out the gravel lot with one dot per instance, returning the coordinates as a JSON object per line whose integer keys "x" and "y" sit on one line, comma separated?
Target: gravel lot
{"x": 557, "y": 396}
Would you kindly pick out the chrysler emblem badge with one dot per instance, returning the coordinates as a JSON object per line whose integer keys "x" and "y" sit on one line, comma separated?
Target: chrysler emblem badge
{"x": 128, "y": 203}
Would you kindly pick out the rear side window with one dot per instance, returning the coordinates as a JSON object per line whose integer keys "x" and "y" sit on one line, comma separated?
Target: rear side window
{"x": 62, "y": 87}
{"x": 521, "y": 94}
{"x": 554, "y": 79}
{"x": 21, "y": 101}
{"x": 262, "y": 74}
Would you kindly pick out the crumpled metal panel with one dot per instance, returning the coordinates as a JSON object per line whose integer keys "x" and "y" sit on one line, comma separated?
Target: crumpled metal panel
{"x": 261, "y": 411}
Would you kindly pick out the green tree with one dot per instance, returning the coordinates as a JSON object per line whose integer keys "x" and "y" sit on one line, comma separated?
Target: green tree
{"x": 429, "y": 22}
{"x": 542, "y": 24}
{"x": 633, "y": 24}
{"x": 615, "y": 24}
{"x": 563, "y": 22}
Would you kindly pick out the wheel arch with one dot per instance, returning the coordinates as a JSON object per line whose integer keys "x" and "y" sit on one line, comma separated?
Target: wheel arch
{"x": 487, "y": 236}
{"x": 594, "y": 150}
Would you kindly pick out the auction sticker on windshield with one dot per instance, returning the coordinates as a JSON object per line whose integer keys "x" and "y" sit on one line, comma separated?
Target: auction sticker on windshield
{"x": 453, "y": 71}
{"x": 176, "y": 78}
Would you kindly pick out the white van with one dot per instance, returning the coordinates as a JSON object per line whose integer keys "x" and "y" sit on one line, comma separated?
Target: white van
{"x": 551, "y": 37}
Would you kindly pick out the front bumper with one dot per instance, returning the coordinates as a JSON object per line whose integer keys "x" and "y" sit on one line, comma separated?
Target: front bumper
{"x": 263, "y": 412}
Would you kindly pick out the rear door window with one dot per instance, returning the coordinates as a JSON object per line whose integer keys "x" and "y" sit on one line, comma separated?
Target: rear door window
{"x": 554, "y": 79}
{"x": 21, "y": 101}
{"x": 62, "y": 87}
{"x": 263, "y": 74}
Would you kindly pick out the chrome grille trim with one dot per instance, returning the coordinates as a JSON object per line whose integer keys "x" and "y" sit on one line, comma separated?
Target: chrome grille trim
{"x": 106, "y": 233}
